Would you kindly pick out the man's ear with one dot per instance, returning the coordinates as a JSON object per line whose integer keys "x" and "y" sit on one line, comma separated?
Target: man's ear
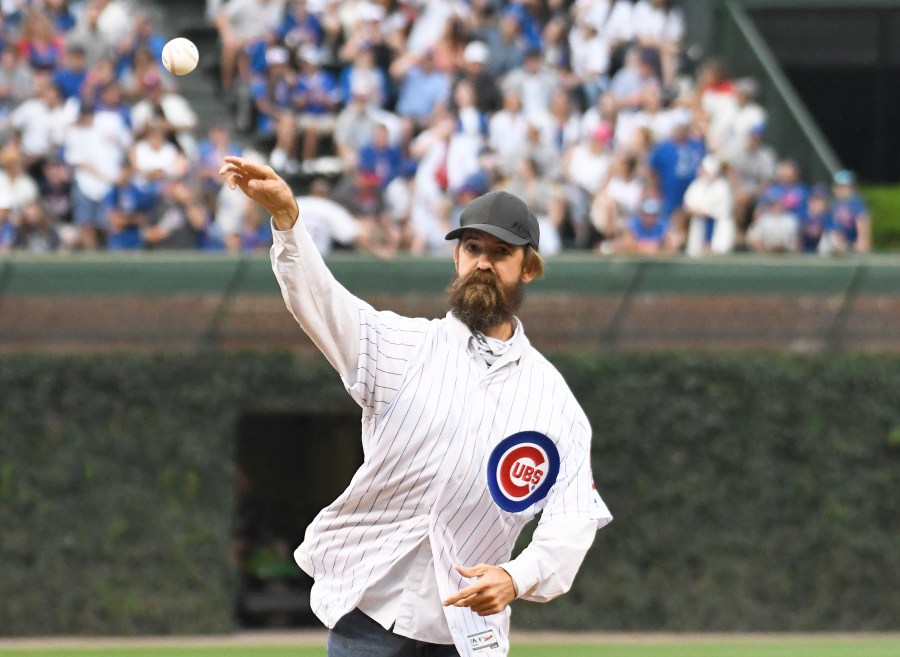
{"x": 456, "y": 256}
{"x": 527, "y": 274}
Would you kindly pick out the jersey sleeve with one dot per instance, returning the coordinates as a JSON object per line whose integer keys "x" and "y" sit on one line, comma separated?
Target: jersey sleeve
{"x": 546, "y": 568}
{"x": 369, "y": 349}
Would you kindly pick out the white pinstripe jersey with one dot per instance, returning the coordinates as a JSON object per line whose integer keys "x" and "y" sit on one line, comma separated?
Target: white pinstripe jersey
{"x": 434, "y": 415}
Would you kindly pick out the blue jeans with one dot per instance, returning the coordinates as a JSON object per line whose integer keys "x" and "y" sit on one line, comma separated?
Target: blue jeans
{"x": 357, "y": 635}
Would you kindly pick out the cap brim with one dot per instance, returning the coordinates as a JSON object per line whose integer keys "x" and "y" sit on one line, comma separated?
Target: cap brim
{"x": 500, "y": 233}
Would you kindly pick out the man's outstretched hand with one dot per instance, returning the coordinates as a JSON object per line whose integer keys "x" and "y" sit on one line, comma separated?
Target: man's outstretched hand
{"x": 261, "y": 184}
{"x": 491, "y": 594}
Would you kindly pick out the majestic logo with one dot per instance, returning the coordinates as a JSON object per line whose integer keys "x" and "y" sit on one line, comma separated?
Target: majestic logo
{"x": 521, "y": 470}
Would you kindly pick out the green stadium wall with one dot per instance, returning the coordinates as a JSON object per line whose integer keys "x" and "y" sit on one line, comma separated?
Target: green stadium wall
{"x": 751, "y": 492}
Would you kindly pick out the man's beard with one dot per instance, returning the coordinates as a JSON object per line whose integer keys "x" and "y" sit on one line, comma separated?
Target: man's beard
{"x": 481, "y": 301}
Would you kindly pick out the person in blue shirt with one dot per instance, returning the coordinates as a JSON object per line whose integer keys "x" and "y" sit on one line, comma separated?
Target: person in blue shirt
{"x": 788, "y": 189}
{"x": 852, "y": 223}
{"x": 299, "y": 27}
{"x": 124, "y": 218}
{"x": 381, "y": 158}
{"x": 646, "y": 232}
{"x": 674, "y": 163}
{"x": 818, "y": 221}
{"x": 70, "y": 76}
{"x": 422, "y": 86}
{"x": 316, "y": 99}
{"x": 273, "y": 99}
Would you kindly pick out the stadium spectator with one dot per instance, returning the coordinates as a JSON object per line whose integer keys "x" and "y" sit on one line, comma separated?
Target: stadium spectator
{"x": 749, "y": 115}
{"x": 16, "y": 80}
{"x": 787, "y": 188}
{"x": 17, "y": 188}
{"x": 355, "y": 125}
{"x": 507, "y": 130}
{"x": 618, "y": 198}
{"x": 589, "y": 57}
{"x": 72, "y": 71}
{"x": 156, "y": 162}
{"x": 240, "y": 23}
{"x": 629, "y": 83}
{"x": 273, "y": 99}
{"x": 659, "y": 24}
{"x": 709, "y": 206}
{"x": 775, "y": 229}
{"x": 38, "y": 43}
{"x": 646, "y": 233}
{"x": 142, "y": 36}
{"x": 380, "y": 158}
{"x": 533, "y": 82}
{"x": 316, "y": 99}
{"x": 55, "y": 185}
{"x": 363, "y": 71}
{"x": 90, "y": 36}
{"x": 487, "y": 92}
{"x": 125, "y": 216}
{"x": 585, "y": 168}
{"x": 37, "y": 233}
{"x": 60, "y": 14}
{"x": 852, "y": 224}
{"x": 421, "y": 88}
{"x": 506, "y": 45}
{"x": 178, "y": 220}
{"x": 751, "y": 173}
{"x": 95, "y": 152}
{"x": 41, "y": 123}
{"x": 674, "y": 163}
{"x": 168, "y": 109}
{"x": 300, "y": 28}
{"x": 817, "y": 222}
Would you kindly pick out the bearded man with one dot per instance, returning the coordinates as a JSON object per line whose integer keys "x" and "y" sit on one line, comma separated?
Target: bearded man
{"x": 468, "y": 434}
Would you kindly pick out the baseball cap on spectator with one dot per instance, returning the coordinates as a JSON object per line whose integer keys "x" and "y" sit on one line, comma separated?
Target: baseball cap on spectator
{"x": 747, "y": 86}
{"x": 650, "y": 206}
{"x": 369, "y": 11}
{"x": 603, "y": 132}
{"x": 819, "y": 191}
{"x": 502, "y": 215}
{"x": 361, "y": 86}
{"x": 711, "y": 165}
{"x": 277, "y": 55}
{"x": 476, "y": 52}
{"x": 844, "y": 177}
{"x": 682, "y": 118}
{"x": 476, "y": 184}
{"x": 310, "y": 54}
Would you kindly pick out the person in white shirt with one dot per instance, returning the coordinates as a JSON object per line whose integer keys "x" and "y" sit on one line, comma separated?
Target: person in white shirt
{"x": 708, "y": 201}
{"x": 468, "y": 433}
{"x": 95, "y": 147}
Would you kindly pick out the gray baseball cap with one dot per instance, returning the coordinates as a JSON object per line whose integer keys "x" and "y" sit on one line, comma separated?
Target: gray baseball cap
{"x": 502, "y": 215}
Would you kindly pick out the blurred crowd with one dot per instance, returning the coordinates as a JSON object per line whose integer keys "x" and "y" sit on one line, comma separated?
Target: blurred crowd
{"x": 389, "y": 116}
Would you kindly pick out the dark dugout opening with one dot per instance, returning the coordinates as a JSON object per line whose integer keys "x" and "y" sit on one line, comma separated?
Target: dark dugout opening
{"x": 289, "y": 466}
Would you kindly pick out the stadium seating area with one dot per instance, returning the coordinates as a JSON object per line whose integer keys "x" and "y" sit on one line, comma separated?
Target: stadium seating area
{"x": 389, "y": 116}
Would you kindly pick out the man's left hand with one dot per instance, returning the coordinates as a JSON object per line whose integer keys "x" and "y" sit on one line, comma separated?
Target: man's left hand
{"x": 490, "y": 595}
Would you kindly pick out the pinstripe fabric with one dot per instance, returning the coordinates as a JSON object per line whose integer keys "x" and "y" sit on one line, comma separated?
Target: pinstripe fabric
{"x": 432, "y": 411}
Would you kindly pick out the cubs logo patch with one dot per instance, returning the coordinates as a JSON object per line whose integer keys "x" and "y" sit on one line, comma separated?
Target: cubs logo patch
{"x": 521, "y": 470}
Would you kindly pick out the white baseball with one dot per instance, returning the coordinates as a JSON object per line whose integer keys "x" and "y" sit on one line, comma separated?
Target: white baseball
{"x": 180, "y": 56}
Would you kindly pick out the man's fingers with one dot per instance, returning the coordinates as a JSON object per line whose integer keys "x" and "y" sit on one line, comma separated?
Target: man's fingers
{"x": 249, "y": 167}
{"x": 461, "y": 596}
{"x": 472, "y": 571}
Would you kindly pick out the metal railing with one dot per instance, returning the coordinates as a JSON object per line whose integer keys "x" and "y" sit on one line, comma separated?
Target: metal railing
{"x": 791, "y": 128}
